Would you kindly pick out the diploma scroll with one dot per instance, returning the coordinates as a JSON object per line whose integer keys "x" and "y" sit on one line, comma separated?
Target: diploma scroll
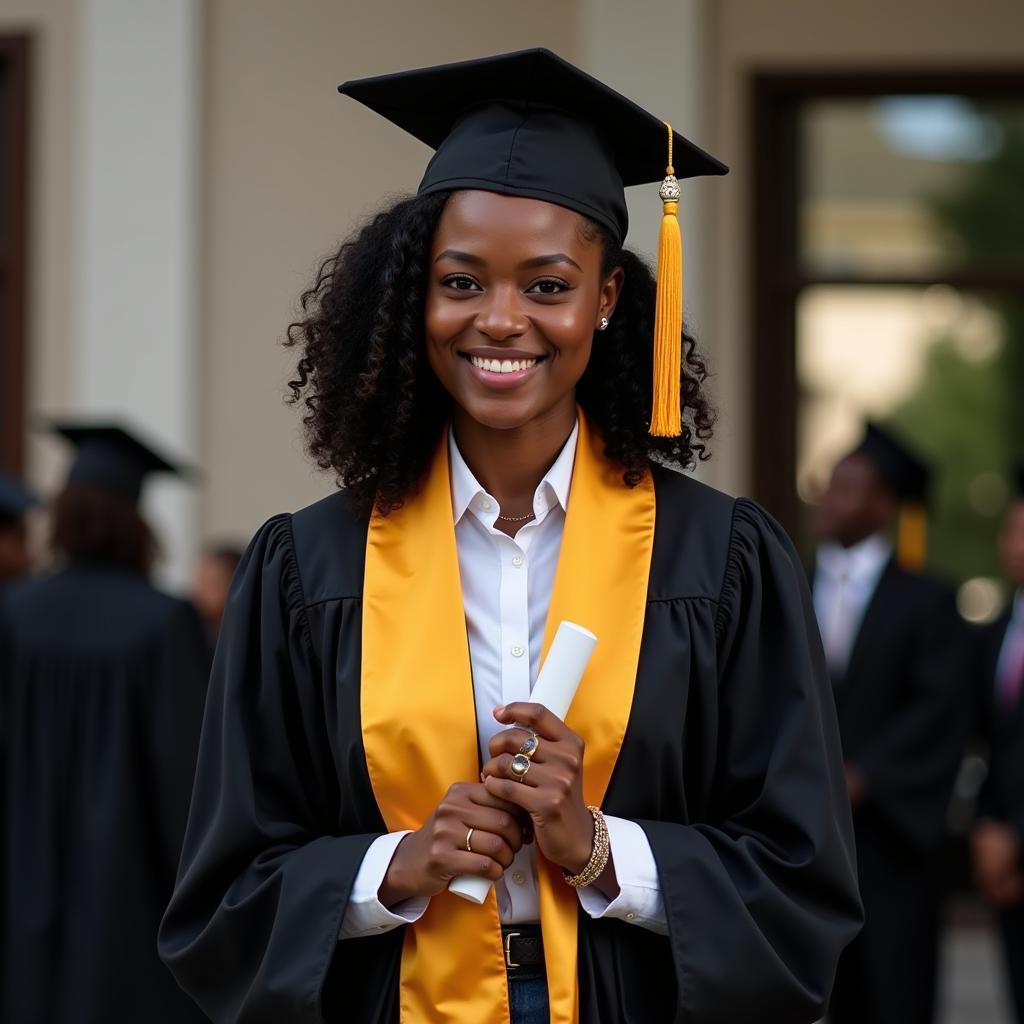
{"x": 556, "y": 685}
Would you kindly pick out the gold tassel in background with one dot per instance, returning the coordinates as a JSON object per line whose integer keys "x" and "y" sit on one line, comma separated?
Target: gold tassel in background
{"x": 666, "y": 408}
{"x": 911, "y": 542}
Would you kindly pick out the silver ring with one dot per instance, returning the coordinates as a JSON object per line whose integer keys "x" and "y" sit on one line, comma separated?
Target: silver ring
{"x": 530, "y": 745}
{"x": 520, "y": 765}
{"x": 469, "y": 839}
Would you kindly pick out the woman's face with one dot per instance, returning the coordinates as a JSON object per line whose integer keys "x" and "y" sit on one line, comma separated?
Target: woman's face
{"x": 515, "y": 294}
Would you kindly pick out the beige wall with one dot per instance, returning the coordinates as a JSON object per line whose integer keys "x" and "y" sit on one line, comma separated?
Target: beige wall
{"x": 752, "y": 35}
{"x": 290, "y": 166}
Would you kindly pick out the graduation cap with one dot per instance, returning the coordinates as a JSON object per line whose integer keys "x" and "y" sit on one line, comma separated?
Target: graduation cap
{"x": 531, "y": 124}
{"x": 15, "y": 499}
{"x": 111, "y": 457}
{"x": 908, "y": 477}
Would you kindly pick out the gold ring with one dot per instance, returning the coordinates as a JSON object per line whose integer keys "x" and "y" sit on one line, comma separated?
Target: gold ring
{"x": 520, "y": 765}
{"x": 469, "y": 839}
{"x": 530, "y": 745}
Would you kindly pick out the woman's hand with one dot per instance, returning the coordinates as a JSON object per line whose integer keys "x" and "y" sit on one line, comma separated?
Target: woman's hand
{"x": 551, "y": 792}
{"x": 427, "y": 860}
{"x": 995, "y": 852}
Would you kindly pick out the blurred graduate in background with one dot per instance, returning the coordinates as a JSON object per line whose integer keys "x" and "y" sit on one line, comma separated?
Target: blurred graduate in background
{"x": 999, "y": 831}
{"x": 211, "y": 582}
{"x": 15, "y": 503}
{"x": 102, "y": 685}
{"x": 896, "y": 649}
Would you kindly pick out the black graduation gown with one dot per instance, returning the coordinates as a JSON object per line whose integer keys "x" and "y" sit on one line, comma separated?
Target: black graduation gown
{"x": 1001, "y": 798}
{"x": 903, "y": 709}
{"x": 102, "y": 684}
{"x": 730, "y": 764}
{"x": 1002, "y": 730}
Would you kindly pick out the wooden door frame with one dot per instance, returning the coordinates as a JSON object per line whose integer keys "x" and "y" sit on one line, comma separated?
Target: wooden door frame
{"x": 14, "y": 66}
{"x": 775, "y": 275}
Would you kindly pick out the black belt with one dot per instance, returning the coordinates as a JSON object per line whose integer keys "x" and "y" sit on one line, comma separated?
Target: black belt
{"x": 523, "y": 944}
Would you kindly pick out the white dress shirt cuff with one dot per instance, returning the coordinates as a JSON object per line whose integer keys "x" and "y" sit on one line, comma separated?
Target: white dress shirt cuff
{"x": 639, "y": 900}
{"x": 365, "y": 914}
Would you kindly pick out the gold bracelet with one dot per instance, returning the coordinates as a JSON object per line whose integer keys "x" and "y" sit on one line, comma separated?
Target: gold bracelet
{"x": 598, "y": 856}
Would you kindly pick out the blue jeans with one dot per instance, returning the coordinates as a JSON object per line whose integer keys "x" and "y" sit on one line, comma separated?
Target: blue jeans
{"x": 528, "y": 996}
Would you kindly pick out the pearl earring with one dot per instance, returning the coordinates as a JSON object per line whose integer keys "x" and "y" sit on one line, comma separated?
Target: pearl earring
{"x": 604, "y": 324}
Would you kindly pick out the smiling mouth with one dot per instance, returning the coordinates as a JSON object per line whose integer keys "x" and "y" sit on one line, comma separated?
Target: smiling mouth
{"x": 501, "y": 365}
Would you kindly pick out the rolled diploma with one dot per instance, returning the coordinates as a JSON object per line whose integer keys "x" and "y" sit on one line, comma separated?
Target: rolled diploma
{"x": 556, "y": 685}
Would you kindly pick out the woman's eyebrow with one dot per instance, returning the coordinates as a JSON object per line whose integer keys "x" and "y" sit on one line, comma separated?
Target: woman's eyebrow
{"x": 555, "y": 257}
{"x": 462, "y": 257}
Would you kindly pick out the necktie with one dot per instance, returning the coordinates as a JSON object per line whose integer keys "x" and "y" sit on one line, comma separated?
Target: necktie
{"x": 1011, "y": 666}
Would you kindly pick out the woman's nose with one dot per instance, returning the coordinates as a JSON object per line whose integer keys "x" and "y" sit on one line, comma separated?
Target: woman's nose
{"x": 501, "y": 315}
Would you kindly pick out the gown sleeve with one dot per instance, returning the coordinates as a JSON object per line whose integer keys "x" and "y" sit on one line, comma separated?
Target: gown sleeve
{"x": 761, "y": 894}
{"x": 263, "y": 883}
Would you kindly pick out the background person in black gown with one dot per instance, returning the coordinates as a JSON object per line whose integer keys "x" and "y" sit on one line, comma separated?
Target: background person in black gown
{"x": 211, "y": 583}
{"x": 102, "y": 684}
{"x": 15, "y": 503}
{"x": 895, "y": 647}
{"x": 999, "y": 831}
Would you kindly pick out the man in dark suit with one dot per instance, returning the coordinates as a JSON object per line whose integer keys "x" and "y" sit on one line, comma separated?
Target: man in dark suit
{"x": 896, "y": 650}
{"x": 999, "y": 831}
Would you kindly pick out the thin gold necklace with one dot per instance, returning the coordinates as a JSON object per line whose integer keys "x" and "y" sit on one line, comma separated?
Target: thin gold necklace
{"x": 516, "y": 519}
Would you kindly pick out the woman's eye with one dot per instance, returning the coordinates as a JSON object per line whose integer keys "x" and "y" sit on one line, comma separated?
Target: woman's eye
{"x": 548, "y": 286}
{"x": 460, "y": 282}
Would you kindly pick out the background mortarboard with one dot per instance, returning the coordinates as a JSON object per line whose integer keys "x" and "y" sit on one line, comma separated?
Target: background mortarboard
{"x": 908, "y": 477}
{"x": 111, "y": 457}
{"x": 531, "y": 124}
{"x": 903, "y": 472}
{"x": 15, "y": 499}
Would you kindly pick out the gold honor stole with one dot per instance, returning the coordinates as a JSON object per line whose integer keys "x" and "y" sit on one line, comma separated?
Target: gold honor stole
{"x": 419, "y": 719}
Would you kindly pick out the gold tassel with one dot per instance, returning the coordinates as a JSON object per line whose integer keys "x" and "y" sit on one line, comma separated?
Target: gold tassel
{"x": 666, "y": 407}
{"x": 910, "y": 544}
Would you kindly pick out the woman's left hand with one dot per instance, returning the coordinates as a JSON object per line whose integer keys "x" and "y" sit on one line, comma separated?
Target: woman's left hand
{"x": 551, "y": 792}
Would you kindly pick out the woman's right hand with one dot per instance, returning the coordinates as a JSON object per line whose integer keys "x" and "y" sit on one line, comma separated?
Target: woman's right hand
{"x": 427, "y": 860}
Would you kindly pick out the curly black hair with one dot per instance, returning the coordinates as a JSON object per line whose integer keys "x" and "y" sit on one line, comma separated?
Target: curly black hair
{"x": 374, "y": 408}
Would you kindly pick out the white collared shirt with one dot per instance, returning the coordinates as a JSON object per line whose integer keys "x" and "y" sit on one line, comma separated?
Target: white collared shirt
{"x": 844, "y": 582}
{"x": 506, "y": 592}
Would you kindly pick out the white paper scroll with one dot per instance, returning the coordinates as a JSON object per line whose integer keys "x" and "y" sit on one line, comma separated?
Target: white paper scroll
{"x": 556, "y": 685}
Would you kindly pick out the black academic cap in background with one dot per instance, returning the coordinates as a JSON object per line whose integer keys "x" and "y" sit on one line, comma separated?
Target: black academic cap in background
{"x": 903, "y": 472}
{"x": 111, "y": 457}
{"x": 531, "y": 124}
{"x": 15, "y": 498}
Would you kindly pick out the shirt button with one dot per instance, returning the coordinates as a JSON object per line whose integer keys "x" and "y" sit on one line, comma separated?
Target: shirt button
{"x": 519, "y": 878}
{"x": 631, "y": 916}
{"x": 485, "y": 504}
{"x": 518, "y": 651}
{"x": 517, "y": 560}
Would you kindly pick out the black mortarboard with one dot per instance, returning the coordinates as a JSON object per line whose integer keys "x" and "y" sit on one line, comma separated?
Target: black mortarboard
{"x": 908, "y": 477}
{"x": 110, "y": 457}
{"x": 15, "y": 499}
{"x": 531, "y": 124}
{"x": 903, "y": 472}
